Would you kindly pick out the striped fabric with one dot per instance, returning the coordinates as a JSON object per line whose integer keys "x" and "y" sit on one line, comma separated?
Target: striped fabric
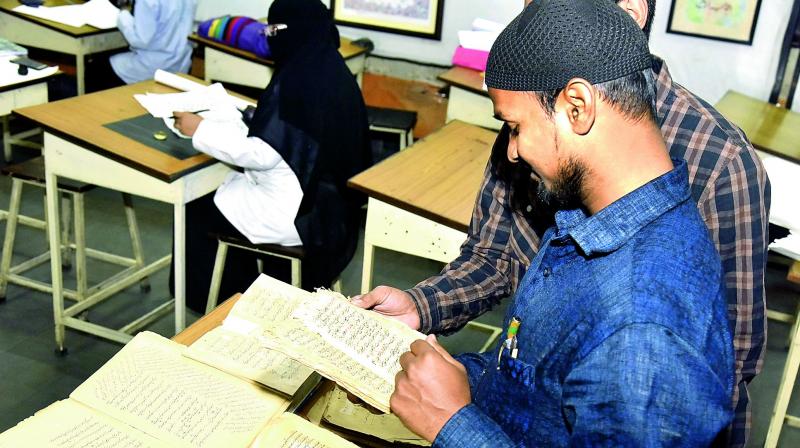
{"x": 238, "y": 32}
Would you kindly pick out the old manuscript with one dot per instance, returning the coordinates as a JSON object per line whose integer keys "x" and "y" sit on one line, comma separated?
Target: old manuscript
{"x": 149, "y": 394}
{"x": 358, "y": 349}
{"x": 291, "y": 431}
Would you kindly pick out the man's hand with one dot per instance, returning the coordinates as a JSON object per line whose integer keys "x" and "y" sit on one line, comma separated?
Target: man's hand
{"x": 391, "y": 302}
{"x": 187, "y": 122}
{"x": 430, "y": 389}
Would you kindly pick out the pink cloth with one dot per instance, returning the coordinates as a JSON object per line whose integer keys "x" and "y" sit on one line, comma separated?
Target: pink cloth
{"x": 474, "y": 59}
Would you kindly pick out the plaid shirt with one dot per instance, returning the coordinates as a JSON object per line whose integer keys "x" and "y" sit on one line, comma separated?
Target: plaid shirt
{"x": 732, "y": 192}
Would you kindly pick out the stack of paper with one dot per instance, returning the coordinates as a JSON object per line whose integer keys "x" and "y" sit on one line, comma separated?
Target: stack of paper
{"x": 789, "y": 246}
{"x": 481, "y": 36}
{"x": 213, "y": 100}
{"x": 783, "y": 176}
{"x": 8, "y": 48}
{"x": 97, "y": 13}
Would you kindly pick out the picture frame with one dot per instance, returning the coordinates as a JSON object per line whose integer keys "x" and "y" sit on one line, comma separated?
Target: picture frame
{"x": 419, "y": 18}
{"x": 725, "y": 20}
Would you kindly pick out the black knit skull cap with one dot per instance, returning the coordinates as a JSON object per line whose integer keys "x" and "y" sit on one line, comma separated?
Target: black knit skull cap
{"x": 553, "y": 41}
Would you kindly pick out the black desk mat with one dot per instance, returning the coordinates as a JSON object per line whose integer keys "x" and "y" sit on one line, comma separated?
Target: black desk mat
{"x": 143, "y": 127}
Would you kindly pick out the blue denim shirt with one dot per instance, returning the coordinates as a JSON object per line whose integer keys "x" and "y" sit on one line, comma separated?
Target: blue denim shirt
{"x": 624, "y": 338}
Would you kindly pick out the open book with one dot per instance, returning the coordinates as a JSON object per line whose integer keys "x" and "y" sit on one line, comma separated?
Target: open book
{"x": 151, "y": 395}
{"x": 358, "y": 349}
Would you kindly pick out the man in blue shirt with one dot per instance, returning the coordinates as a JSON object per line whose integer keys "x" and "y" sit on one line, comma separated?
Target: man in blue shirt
{"x": 621, "y": 335}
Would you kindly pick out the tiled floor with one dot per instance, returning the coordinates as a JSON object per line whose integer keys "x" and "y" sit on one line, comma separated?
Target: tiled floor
{"x": 32, "y": 376}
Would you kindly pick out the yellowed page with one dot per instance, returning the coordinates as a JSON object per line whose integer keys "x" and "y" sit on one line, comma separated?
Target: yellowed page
{"x": 69, "y": 424}
{"x": 312, "y": 350}
{"x": 341, "y": 412}
{"x": 150, "y": 385}
{"x": 291, "y": 431}
{"x": 266, "y": 302}
{"x": 245, "y": 356}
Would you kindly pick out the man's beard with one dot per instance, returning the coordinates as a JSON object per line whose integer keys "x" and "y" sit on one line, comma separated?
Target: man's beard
{"x": 566, "y": 192}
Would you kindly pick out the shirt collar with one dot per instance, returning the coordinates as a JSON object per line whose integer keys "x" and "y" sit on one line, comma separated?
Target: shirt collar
{"x": 611, "y": 227}
{"x": 663, "y": 81}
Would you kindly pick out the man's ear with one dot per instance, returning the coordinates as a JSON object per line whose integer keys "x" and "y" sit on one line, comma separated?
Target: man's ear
{"x": 637, "y": 9}
{"x": 579, "y": 104}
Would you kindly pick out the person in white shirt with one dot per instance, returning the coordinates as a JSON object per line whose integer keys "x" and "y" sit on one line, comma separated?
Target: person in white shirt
{"x": 308, "y": 135}
{"x": 157, "y": 33}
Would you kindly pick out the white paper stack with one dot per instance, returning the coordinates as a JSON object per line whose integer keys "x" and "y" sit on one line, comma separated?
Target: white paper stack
{"x": 789, "y": 246}
{"x": 8, "y": 48}
{"x": 97, "y": 13}
{"x": 784, "y": 177}
{"x": 481, "y": 36}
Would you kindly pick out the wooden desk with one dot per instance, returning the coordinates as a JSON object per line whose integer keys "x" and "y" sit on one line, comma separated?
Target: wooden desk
{"x": 77, "y": 146}
{"x": 20, "y": 91}
{"x": 228, "y": 64}
{"x": 774, "y": 130}
{"x": 40, "y": 33}
{"x": 206, "y": 323}
{"x": 468, "y": 101}
{"x": 421, "y": 199}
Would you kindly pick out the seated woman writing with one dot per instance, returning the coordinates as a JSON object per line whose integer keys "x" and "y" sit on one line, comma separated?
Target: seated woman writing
{"x": 309, "y": 134}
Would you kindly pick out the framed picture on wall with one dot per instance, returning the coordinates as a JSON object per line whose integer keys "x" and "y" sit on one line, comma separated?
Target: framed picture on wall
{"x": 727, "y": 20}
{"x": 420, "y": 18}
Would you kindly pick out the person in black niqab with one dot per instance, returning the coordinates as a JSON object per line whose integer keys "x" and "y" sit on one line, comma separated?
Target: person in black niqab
{"x": 313, "y": 115}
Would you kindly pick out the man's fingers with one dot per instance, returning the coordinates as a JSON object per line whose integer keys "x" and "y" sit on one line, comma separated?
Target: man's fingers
{"x": 406, "y": 359}
{"x": 372, "y": 298}
{"x": 431, "y": 339}
{"x": 421, "y": 346}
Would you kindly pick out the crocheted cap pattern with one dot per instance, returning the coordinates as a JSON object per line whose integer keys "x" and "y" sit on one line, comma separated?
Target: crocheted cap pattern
{"x": 553, "y": 41}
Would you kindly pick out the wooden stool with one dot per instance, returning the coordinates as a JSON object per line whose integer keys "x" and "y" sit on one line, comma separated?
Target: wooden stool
{"x": 394, "y": 121}
{"x": 32, "y": 172}
{"x": 295, "y": 254}
{"x": 789, "y": 376}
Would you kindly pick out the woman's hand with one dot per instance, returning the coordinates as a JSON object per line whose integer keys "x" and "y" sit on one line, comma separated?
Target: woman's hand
{"x": 186, "y": 122}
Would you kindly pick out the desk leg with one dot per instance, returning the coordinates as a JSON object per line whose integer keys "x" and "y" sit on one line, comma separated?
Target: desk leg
{"x": 6, "y": 138}
{"x": 53, "y": 231}
{"x": 180, "y": 266}
{"x": 366, "y": 271}
{"x": 80, "y": 71}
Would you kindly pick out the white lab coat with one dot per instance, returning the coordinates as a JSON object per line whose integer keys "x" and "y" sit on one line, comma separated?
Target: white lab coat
{"x": 262, "y": 202}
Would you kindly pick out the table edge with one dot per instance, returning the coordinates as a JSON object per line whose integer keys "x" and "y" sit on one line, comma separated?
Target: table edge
{"x": 28, "y": 82}
{"x": 169, "y": 178}
{"x": 58, "y": 29}
{"x": 194, "y": 37}
{"x": 409, "y": 207}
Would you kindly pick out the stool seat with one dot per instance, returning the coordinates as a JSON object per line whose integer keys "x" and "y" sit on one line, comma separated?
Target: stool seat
{"x": 33, "y": 171}
{"x": 385, "y": 117}
{"x": 286, "y": 251}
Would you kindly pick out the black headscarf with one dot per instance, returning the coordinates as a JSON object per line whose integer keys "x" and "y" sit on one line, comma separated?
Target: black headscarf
{"x": 313, "y": 114}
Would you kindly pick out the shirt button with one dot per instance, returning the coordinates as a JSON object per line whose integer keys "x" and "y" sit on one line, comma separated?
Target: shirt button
{"x": 546, "y": 271}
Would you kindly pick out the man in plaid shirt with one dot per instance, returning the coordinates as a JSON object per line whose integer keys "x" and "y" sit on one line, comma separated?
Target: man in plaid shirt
{"x": 732, "y": 192}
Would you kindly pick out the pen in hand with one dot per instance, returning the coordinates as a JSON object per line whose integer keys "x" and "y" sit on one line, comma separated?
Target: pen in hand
{"x": 190, "y": 112}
